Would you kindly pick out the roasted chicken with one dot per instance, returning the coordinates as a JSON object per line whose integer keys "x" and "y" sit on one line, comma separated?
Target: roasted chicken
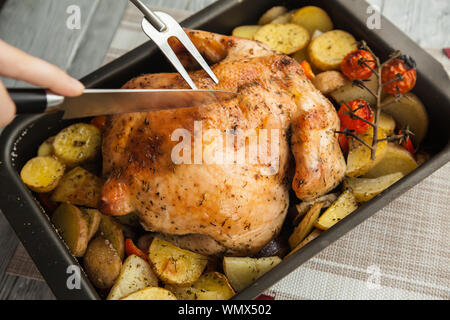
{"x": 233, "y": 208}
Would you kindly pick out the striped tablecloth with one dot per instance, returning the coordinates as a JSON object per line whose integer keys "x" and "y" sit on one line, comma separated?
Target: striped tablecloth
{"x": 403, "y": 252}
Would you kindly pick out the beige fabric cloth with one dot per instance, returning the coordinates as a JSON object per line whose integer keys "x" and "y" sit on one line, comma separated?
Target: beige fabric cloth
{"x": 403, "y": 252}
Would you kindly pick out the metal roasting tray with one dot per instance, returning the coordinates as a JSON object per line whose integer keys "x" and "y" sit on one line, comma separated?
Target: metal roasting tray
{"x": 19, "y": 141}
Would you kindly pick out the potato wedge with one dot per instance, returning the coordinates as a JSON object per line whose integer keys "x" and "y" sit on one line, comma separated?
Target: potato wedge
{"x": 329, "y": 81}
{"x": 387, "y": 123}
{"x": 210, "y": 286}
{"x": 72, "y": 225}
{"x": 111, "y": 230}
{"x": 348, "y": 92}
{"x": 313, "y": 18}
{"x": 343, "y": 206}
{"x": 313, "y": 235}
{"x": 78, "y": 143}
{"x": 102, "y": 263}
{"x": 242, "y": 272}
{"x": 151, "y": 293}
{"x": 284, "y": 38}
{"x": 409, "y": 111}
{"x": 305, "y": 206}
{"x": 79, "y": 187}
{"x": 135, "y": 274}
{"x": 359, "y": 160}
{"x": 46, "y": 148}
{"x": 94, "y": 217}
{"x": 283, "y": 19}
{"x": 174, "y": 265}
{"x": 396, "y": 159}
{"x": 42, "y": 174}
{"x": 272, "y": 14}
{"x": 247, "y": 32}
{"x": 306, "y": 225}
{"x": 329, "y": 49}
{"x": 366, "y": 189}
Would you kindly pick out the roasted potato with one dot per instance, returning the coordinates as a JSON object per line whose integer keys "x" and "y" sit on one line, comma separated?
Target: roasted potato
{"x": 306, "y": 225}
{"x": 305, "y": 206}
{"x": 247, "y": 32}
{"x": 344, "y": 205}
{"x": 359, "y": 160}
{"x": 387, "y": 123}
{"x": 348, "y": 92}
{"x": 73, "y": 226}
{"x": 328, "y": 50}
{"x": 77, "y": 143}
{"x": 135, "y": 274}
{"x": 272, "y": 14}
{"x": 94, "y": 217}
{"x": 366, "y": 189}
{"x": 46, "y": 148}
{"x": 396, "y": 159}
{"x": 102, "y": 263}
{"x": 313, "y": 235}
{"x": 283, "y": 19}
{"x": 242, "y": 272}
{"x": 145, "y": 241}
{"x": 151, "y": 293}
{"x": 42, "y": 174}
{"x": 284, "y": 38}
{"x": 329, "y": 81}
{"x": 111, "y": 230}
{"x": 313, "y": 18}
{"x": 409, "y": 111}
{"x": 174, "y": 265}
{"x": 79, "y": 187}
{"x": 210, "y": 286}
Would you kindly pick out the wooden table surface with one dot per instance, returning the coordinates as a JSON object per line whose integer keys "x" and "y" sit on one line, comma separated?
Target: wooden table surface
{"x": 39, "y": 28}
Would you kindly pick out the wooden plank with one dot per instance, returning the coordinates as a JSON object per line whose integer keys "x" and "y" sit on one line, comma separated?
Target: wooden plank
{"x": 8, "y": 243}
{"x": 17, "y": 288}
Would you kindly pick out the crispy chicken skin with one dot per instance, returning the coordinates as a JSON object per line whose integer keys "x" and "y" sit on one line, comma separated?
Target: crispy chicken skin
{"x": 234, "y": 209}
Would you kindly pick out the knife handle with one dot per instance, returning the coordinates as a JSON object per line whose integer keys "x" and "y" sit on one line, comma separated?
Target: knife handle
{"x": 33, "y": 100}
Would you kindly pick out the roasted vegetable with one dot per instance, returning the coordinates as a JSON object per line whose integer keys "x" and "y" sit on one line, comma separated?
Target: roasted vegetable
{"x": 344, "y": 205}
{"x": 358, "y": 65}
{"x": 283, "y": 19}
{"x": 313, "y": 235}
{"x": 366, "y": 189}
{"x": 132, "y": 249}
{"x": 73, "y": 226}
{"x": 306, "y": 225}
{"x": 312, "y": 18}
{"x": 359, "y": 160}
{"x": 272, "y": 14}
{"x": 135, "y": 274}
{"x": 79, "y": 187}
{"x": 210, "y": 286}
{"x": 46, "y": 148}
{"x": 349, "y": 92}
{"x": 111, "y": 230}
{"x": 305, "y": 206}
{"x": 276, "y": 247}
{"x": 399, "y": 76}
{"x": 329, "y": 81}
{"x": 94, "y": 217}
{"x": 242, "y": 272}
{"x": 247, "y": 32}
{"x": 352, "y": 113}
{"x": 387, "y": 123}
{"x": 284, "y": 38}
{"x": 78, "y": 143}
{"x": 42, "y": 174}
{"x": 328, "y": 50}
{"x": 174, "y": 265}
{"x": 102, "y": 263}
{"x": 151, "y": 293}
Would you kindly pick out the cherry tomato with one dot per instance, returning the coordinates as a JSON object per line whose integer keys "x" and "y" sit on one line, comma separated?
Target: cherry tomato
{"x": 353, "y": 66}
{"x": 308, "y": 70}
{"x": 343, "y": 142}
{"x": 99, "y": 122}
{"x": 131, "y": 248}
{"x": 403, "y": 67}
{"x": 408, "y": 144}
{"x": 362, "y": 109}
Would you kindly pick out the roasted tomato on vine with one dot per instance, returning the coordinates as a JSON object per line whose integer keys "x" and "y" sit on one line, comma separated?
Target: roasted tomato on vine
{"x": 407, "y": 142}
{"x": 358, "y": 64}
{"x": 349, "y": 113}
{"x": 399, "y": 75}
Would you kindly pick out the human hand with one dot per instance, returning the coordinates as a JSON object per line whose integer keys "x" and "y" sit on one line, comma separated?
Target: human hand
{"x": 18, "y": 65}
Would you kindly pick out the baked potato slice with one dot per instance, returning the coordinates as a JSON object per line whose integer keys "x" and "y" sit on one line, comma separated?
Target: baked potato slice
{"x": 46, "y": 148}
{"x": 247, "y": 32}
{"x": 94, "y": 217}
{"x": 210, "y": 286}
{"x": 313, "y": 235}
{"x": 284, "y": 38}
{"x": 174, "y": 265}
{"x": 306, "y": 225}
{"x": 272, "y": 14}
{"x": 313, "y": 18}
{"x": 111, "y": 230}
{"x": 305, "y": 206}
{"x": 102, "y": 263}
{"x": 79, "y": 187}
{"x": 387, "y": 123}
{"x": 283, "y": 19}
{"x": 329, "y": 81}
{"x": 42, "y": 174}
{"x": 73, "y": 227}
{"x": 328, "y": 50}
{"x": 366, "y": 189}
{"x": 343, "y": 206}
{"x": 348, "y": 92}
{"x": 78, "y": 143}
{"x": 151, "y": 293}
{"x": 242, "y": 272}
{"x": 135, "y": 274}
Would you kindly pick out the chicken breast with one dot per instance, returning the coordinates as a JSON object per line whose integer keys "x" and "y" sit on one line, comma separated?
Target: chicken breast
{"x": 167, "y": 167}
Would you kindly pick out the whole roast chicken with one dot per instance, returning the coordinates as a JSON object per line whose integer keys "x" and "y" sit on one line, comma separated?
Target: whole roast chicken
{"x": 236, "y": 207}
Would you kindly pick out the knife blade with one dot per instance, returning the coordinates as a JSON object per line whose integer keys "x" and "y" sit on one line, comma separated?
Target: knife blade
{"x": 95, "y": 102}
